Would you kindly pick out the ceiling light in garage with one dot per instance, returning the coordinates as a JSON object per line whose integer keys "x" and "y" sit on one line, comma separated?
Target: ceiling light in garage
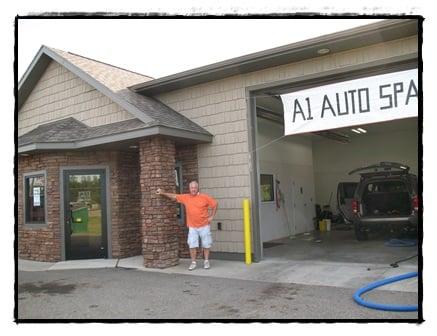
{"x": 323, "y": 51}
{"x": 359, "y": 130}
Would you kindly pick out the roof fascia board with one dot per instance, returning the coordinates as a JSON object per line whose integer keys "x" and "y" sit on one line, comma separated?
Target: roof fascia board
{"x": 341, "y": 74}
{"x": 46, "y": 145}
{"x": 153, "y": 86}
{"x": 27, "y": 148}
{"x": 157, "y": 130}
{"x": 32, "y": 65}
{"x": 179, "y": 133}
{"x": 38, "y": 65}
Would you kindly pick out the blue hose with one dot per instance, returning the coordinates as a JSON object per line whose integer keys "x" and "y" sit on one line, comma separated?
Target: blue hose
{"x": 379, "y": 283}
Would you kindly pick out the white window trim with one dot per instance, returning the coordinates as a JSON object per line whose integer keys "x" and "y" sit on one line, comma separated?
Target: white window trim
{"x": 25, "y": 176}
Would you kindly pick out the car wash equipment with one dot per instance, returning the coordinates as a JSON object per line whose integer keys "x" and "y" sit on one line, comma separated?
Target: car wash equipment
{"x": 380, "y": 306}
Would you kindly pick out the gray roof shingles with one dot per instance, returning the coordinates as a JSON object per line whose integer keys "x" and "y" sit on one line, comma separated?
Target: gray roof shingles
{"x": 70, "y": 130}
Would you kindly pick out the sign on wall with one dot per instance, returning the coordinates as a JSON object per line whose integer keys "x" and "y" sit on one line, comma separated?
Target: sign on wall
{"x": 36, "y": 196}
{"x": 355, "y": 102}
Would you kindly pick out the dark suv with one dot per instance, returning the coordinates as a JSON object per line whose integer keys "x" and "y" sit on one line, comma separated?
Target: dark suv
{"x": 385, "y": 199}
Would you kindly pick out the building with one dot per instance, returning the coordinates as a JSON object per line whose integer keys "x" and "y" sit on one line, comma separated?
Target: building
{"x": 95, "y": 141}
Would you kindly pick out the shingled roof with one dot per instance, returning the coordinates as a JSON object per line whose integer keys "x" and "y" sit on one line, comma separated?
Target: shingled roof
{"x": 72, "y": 130}
{"x": 152, "y": 116}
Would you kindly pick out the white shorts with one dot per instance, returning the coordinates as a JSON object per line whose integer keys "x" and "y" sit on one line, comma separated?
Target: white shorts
{"x": 204, "y": 233}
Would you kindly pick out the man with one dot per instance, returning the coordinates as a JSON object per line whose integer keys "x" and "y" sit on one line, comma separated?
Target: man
{"x": 200, "y": 209}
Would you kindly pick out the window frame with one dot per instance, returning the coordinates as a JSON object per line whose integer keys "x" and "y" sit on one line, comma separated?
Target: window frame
{"x": 273, "y": 189}
{"x": 25, "y": 177}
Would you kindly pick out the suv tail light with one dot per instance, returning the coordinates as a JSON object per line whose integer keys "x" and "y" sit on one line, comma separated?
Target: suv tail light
{"x": 355, "y": 206}
{"x": 415, "y": 203}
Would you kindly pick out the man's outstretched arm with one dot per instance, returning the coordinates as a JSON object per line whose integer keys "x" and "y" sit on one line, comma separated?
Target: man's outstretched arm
{"x": 212, "y": 212}
{"x": 168, "y": 195}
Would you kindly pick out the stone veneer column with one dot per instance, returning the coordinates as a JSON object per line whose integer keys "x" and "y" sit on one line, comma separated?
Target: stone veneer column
{"x": 158, "y": 214}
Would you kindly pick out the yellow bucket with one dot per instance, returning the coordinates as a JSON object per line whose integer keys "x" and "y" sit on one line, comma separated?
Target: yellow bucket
{"x": 322, "y": 225}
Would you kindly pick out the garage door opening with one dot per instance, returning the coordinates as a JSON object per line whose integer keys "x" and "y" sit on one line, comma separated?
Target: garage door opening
{"x": 299, "y": 176}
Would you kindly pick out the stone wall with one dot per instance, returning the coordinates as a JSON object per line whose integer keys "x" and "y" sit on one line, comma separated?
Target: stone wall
{"x": 125, "y": 211}
{"x": 140, "y": 221}
{"x": 44, "y": 243}
{"x": 159, "y": 225}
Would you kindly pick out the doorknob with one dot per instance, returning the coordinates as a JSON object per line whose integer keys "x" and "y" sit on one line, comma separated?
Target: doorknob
{"x": 67, "y": 222}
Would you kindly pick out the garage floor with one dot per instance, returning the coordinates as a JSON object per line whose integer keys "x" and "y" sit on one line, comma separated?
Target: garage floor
{"x": 338, "y": 246}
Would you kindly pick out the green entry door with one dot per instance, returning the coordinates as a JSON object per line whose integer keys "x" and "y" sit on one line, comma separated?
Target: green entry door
{"x": 85, "y": 214}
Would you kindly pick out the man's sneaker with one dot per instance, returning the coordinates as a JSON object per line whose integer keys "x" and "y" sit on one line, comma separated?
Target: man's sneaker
{"x": 206, "y": 264}
{"x": 192, "y": 266}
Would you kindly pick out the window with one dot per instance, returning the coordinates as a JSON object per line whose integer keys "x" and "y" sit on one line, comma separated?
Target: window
{"x": 267, "y": 194}
{"x": 387, "y": 187}
{"x": 34, "y": 198}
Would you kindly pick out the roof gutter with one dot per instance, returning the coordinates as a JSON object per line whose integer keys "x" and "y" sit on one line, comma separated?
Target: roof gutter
{"x": 348, "y": 39}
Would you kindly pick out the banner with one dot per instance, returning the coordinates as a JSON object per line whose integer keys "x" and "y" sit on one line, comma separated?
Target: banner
{"x": 349, "y": 103}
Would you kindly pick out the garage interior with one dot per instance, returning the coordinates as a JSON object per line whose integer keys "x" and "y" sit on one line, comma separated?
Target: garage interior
{"x": 298, "y": 172}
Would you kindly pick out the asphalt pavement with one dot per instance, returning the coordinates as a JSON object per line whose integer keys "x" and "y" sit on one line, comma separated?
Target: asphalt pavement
{"x": 122, "y": 293}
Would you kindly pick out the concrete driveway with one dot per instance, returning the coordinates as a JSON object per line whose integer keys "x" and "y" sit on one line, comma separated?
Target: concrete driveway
{"x": 300, "y": 278}
{"x": 117, "y": 293}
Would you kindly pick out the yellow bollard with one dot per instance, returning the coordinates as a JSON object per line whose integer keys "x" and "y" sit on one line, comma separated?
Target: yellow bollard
{"x": 247, "y": 237}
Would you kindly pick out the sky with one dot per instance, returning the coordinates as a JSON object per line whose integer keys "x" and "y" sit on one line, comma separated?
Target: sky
{"x": 167, "y": 46}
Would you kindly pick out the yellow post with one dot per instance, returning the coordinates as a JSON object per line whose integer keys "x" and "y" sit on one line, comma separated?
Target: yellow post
{"x": 247, "y": 242}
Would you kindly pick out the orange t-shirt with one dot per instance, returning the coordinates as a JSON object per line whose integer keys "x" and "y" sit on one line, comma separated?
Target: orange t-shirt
{"x": 196, "y": 208}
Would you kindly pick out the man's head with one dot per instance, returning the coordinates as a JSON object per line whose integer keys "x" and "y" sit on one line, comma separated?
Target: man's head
{"x": 194, "y": 188}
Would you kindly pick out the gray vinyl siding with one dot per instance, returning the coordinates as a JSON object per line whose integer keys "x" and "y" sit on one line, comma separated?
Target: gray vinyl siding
{"x": 220, "y": 107}
{"x": 60, "y": 94}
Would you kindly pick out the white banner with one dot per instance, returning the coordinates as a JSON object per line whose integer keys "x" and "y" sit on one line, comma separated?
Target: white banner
{"x": 355, "y": 102}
